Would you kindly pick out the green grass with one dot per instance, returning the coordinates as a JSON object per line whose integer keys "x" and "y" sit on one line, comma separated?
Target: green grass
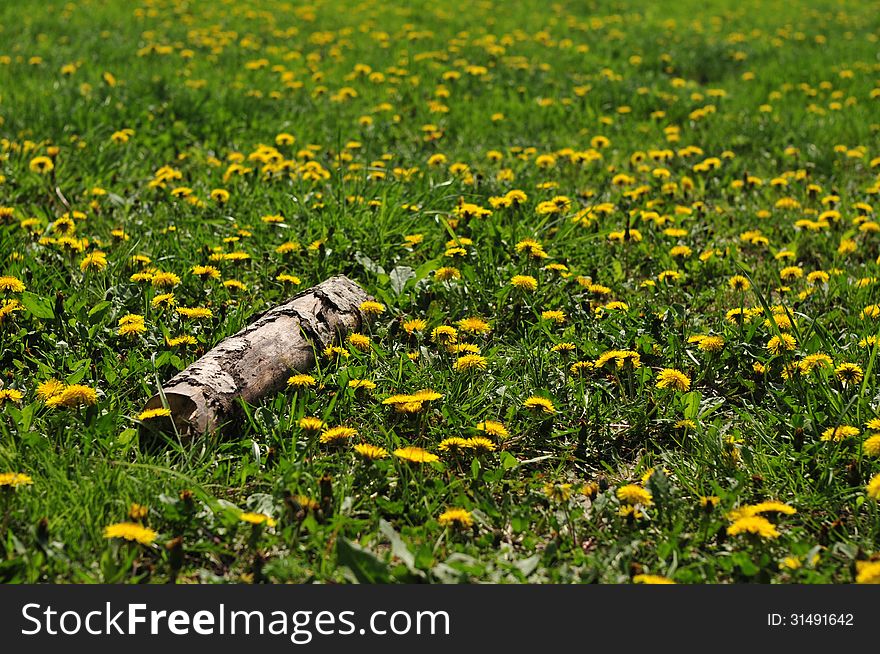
{"x": 786, "y": 92}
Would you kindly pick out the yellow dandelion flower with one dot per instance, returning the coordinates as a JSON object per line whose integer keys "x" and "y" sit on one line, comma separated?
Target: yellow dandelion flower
{"x": 674, "y": 379}
{"x": 11, "y": 284}
{"x": 257, "y": 519}
{"x": 131, "y": 531}
{"x": 868, "y": 572}
{"x": 633, "y": 494}
{"x": 337, "y": 434}
{"x": 372, "y": 308}
{"x": 524, "y": 282}
{"x": 536, "y": 403}
{"x": 73, "y": 396}
{"x": 652, "y": 579}
{"x": 493, "y": 428}
{"x": 470, "y": 362}
{"x": 371, "y": 452}
{"x": 415, "y": 455}
{"x": 310, "y": 423}
{"x": 474, "y": 326}
{"x": 756, "y": 525}
{"x": 782, "y": 343}
{"x": 15, "y": 479}
{"x": 873, "y": 488}
{"x": 840, "y": 433}
{"x": 10, "y": 395}
{"x": 456, "y": 517}
{"x": 150, "y": 414}
{"x": 414, "y": 325}
{"x": 481, "y": 445}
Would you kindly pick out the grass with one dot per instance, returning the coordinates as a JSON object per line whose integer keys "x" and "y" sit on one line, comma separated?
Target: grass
{"x": 661, "y": 152}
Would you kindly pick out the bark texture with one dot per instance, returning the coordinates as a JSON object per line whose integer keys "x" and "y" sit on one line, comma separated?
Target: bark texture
{"x": 258, "y": 360}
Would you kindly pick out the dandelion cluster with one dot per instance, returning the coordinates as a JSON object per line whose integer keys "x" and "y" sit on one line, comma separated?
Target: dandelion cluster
{"x": 623, "y": 274}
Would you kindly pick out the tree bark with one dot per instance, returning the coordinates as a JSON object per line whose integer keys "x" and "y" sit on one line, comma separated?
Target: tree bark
{"x": 258, "y": 360}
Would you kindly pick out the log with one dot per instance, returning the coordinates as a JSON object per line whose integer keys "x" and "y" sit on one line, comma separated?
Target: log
{"x": 258, "y": 360}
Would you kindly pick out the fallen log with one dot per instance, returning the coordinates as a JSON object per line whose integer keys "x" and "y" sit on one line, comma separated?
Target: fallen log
{"x": 258, "y": 360}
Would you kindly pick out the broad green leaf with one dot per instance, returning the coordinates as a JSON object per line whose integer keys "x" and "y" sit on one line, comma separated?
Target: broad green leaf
{"x": 38, "y": 307}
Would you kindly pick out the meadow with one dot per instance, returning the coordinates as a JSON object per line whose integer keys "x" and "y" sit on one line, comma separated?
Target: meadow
{"x": 625, "y": 259}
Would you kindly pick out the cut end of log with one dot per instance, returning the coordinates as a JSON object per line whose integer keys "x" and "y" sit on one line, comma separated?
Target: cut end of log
{"x": 258, "y": 360}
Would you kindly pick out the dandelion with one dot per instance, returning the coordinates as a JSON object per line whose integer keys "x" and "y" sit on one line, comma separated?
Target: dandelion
{"x": 873, "y": 488}
{"x": 137, "y": 512}
{"x": 849, "y": 373}
{"x": 205, "y": 272}
{"x": 131, "y": 531}
{"x": 470, "y": 362}
{"x": 41, "y": 165}
{"x": 454, "y": 444}
{"x": 10, "y": 395}
{"x": 73, "y": 396}
{"x": 163, "y": 300}
{"x": 444, "y": 334}
{"x": 335, "y": 352}
{"x": 782, "y": 343}
{"x": 131, "y": 325}
{"x": 871, "y": 445}
{"x": 8, "y": 308}
{"x": 839, "y": 433}
{"x": 553, "y": 316}
{"x": 621, "y": 358}
{"x": 415, "y": 455}
{"x": 257, "y": 519}
{"x": 414, "y": 325}
{"x": 674, "y": 379}
{"x": 11, "y": 284}
{"x": 310, "y": 423}
{"x": 652, "y": 579}
{"x": 709, "y": 502}
{"x": 15, "y": 479}
{"x": 493, "y": 428}
{"x": 631, "y": 512}
{"x": 580, "y": 367}
{"x": 868, "y": 572}
{"x": 371, "y": 452}
{"x": 558, "y": 492}
{"x": 360, "y": 342}
{"x": 95, "y": 261}
{"x": 524, "y": 282}
{"x": 195, "y": 313}
{"x": 49, "y": 388}
{"x": 539, "y": 404}
{"x": 756, "y": 525}
{"x": 151, "y": 414}
{"x": 184, "y": 339}
{"x": 474, "y": 326}
{"x": 633, "y": 494}
{"x": 790, "y": 563}
{"x": 590, "y": 490}
{"x": 456, "y": 518}
{"x": 288, "y": 247}
{"x": 220, "y": 195}
{"x": 162, "y": 279}
{"x": 371, "y": 308}
{"x": 289, "y": 279}
{"x": 762, "y": 507}
{"x": 336, "y": 434}
{"x": 481, "y": 445}
{"x": 711, "y": 344}
{"x": 739, "y": 283}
